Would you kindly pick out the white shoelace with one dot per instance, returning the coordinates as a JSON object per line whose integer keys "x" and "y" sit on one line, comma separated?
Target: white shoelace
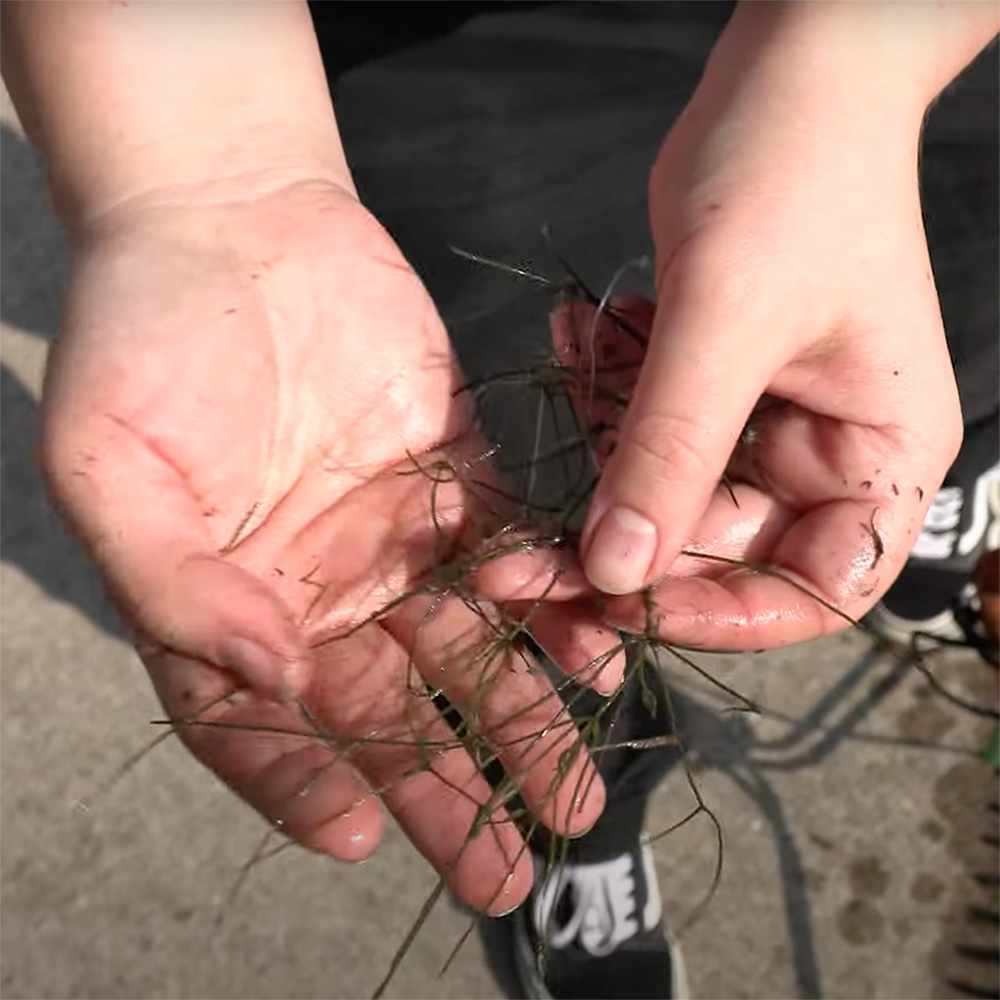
{"x": 605, "y": 909}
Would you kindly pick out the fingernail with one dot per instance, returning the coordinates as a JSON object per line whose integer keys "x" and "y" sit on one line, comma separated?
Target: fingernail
{"x": 621, "y": 552}
{"x": 504, "y": 891}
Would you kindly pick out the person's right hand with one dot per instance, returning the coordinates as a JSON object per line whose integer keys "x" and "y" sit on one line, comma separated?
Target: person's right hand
{"x": 250, "y": 420}
{"x": 796, "y": 300}
{"x": 234, "y": 415}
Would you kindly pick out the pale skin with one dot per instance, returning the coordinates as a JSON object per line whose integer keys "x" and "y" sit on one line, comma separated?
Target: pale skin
{"x": 246, "y": 362}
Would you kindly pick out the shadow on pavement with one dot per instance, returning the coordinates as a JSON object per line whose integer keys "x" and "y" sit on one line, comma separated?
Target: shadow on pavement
{"x": 34, "y": 261}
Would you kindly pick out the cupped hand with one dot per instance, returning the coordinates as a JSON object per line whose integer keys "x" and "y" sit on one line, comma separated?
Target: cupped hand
{"x": 796, "y": 348}
{"x": 250, "y": 419}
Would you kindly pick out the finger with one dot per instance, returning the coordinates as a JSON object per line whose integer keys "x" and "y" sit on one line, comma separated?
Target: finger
{"x": 603, "y": 352}
{"x": 269, "y": 755}
{"x": 572, "y": 636}
{"x": 318, "y": 800}
{"x": 828, "y": 569}
{"x": 530, "y": 574}
{"x": 367, "y": 692}
{"x": 693, "y": 396}
{"x": 447, "y": 808}
{"x": 146, "y": 532}
{"x": 740, "y": 523}
{"x": 509, "y": 704}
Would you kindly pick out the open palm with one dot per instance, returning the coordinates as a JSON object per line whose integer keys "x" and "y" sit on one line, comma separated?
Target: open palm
{"x": 251, "y": 421}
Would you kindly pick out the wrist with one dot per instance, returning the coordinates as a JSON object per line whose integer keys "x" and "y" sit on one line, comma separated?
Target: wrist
{"x": 875, "y": 65}
{"x": 244, "y": 162}
{"x": 128, "y": 100}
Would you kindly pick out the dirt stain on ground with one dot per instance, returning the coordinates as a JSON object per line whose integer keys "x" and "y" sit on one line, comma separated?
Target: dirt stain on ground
{"x": 868, "y": 876}
{"x": 926, "y": 888}
{"x": 932, "y": 830}
{"x": 927, "y": 721}
{"x": 859, "y": 922}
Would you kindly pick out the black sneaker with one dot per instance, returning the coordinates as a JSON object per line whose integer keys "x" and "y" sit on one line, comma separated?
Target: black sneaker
{"x": 933, "y": 596}
{"x": 919, "y": 606}
{"x": 967, "y": 621}
{"x": 596, "y": 931}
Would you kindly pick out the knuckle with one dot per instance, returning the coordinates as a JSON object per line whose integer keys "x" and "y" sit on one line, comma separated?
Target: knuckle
{"x": 674, "y": 444}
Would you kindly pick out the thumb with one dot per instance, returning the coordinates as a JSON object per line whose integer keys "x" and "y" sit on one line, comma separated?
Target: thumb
{"x": 149, "y": 536}
{"x": 695, "y": 392}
